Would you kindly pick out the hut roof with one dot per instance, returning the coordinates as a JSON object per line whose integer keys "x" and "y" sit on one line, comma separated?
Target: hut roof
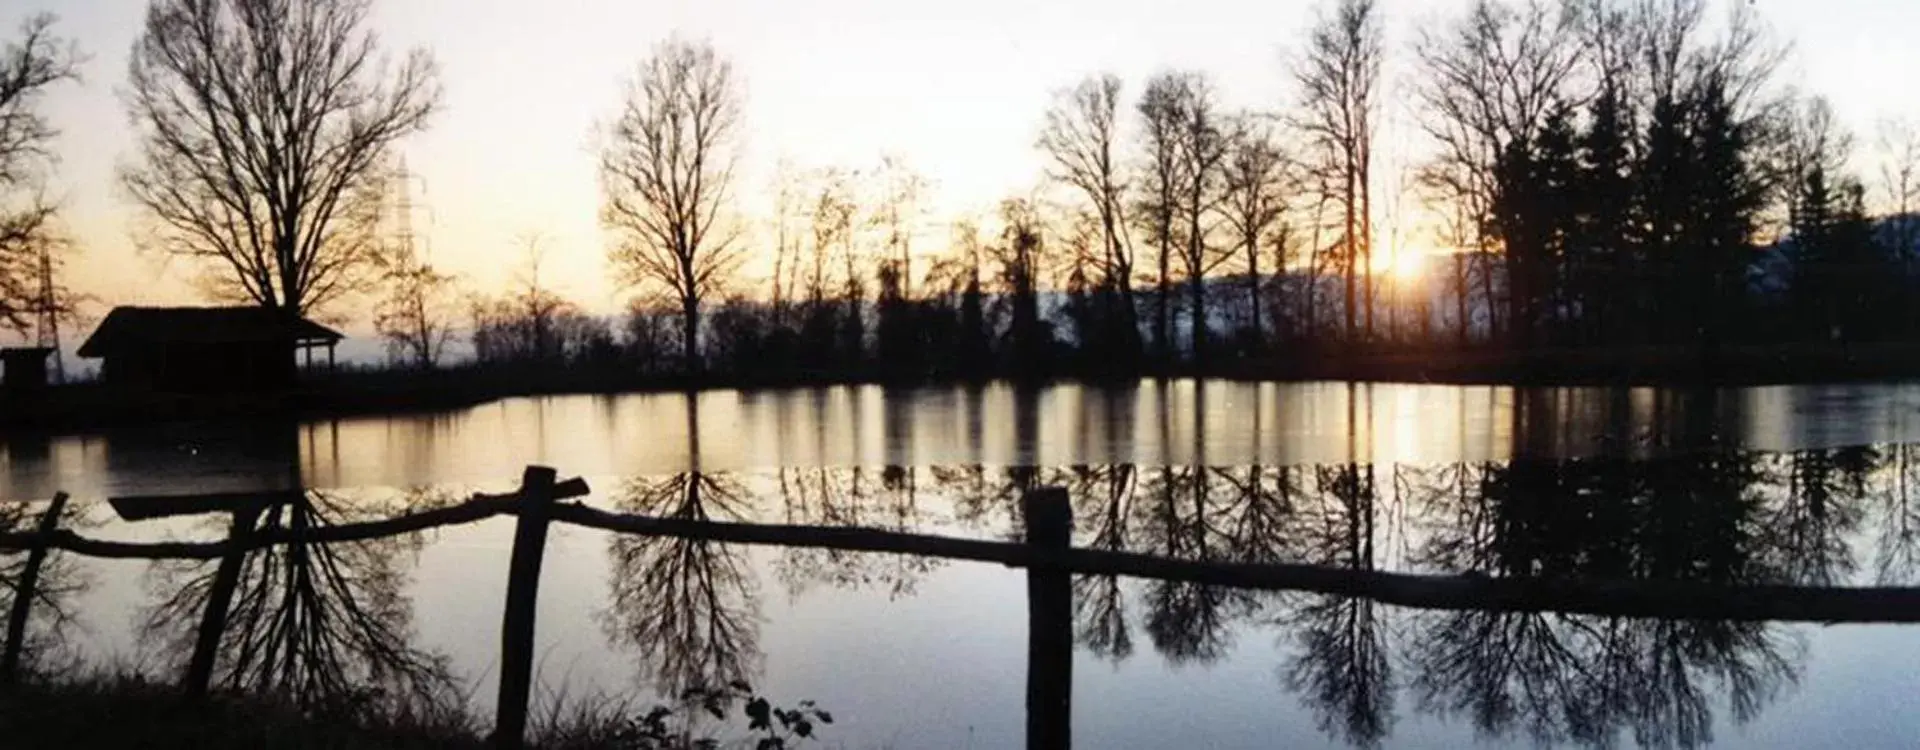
{"x": 127, "y": 328}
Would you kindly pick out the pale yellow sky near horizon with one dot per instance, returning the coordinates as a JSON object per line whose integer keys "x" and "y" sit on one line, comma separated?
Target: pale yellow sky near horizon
{"x": 956, "y": 89}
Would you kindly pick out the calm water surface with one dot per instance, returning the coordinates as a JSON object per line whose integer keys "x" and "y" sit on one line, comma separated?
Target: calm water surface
{"x": 1781, "y": 485}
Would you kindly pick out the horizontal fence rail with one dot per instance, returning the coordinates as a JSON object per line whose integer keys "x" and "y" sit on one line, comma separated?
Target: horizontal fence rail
{"x": 1621, "y": 598}
{"x": 479, "y": 508}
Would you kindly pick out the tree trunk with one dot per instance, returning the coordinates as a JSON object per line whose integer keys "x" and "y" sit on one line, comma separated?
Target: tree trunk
{"x": 1125, "y": 319}
{"x": 1163, "y": 312}
{"x": 1519, "y": 318}
{"x": 1464, "y": 284}
{"x": 1312, "y": 300}
{"x": 1197, "y": 284}
{"x": 1253, "y": 290}
{"x": 1350, "y": 251}
{"x": 1197, "y": 296}
{"x": 1486, "y": 284}
{"x": 1367, "y": 281}
{"x": 690, "y": 333}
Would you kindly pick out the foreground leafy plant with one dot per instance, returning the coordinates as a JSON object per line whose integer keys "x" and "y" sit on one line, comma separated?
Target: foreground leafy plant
{"x": 769, "y": 726}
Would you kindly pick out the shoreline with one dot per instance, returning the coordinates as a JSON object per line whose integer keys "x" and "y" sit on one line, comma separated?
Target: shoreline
{"x": 83, "y": 406}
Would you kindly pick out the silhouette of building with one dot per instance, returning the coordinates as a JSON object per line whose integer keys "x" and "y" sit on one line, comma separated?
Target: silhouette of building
{"x": 25, "y": 368}
{"x": 205, "y": 349}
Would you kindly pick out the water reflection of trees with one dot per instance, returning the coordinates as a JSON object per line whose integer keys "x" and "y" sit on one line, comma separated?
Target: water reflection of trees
{"x": 1723, "y": 517}
{"x": 61, "y": 580}
{"x": 1822, "y": 503}
{"x": 985, "y": 497}
{"x": 1713, "y": 517}
{"x": 1898, "y": 542}
{"x": 1189, "y": 622}
{"x": 888, "y": 499}
{"x": 1185, "y": 513}
{"x": 1340, "y": 665}
{"x": 1326, "y": 516}
{"x": 689, "y": 607}
{"x": 321, "y": 625}
{"x": 1102, "y": 498}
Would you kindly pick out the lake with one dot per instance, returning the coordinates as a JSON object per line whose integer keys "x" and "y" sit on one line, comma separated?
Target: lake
{"x": 1791, "y": 485}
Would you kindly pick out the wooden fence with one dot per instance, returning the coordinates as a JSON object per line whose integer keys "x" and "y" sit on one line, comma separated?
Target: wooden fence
{"x": 1046, "y": 554}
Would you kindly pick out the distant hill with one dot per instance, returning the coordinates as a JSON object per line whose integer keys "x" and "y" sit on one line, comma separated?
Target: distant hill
{"x": 1772, "y": 271}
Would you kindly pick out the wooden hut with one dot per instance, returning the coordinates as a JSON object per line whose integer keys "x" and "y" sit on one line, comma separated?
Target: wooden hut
{"x": 24, "y": 368}
{"x": 205, "y": 349}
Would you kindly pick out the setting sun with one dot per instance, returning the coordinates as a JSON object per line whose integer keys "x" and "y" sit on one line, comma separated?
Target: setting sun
{"x": 1407, "y": 266}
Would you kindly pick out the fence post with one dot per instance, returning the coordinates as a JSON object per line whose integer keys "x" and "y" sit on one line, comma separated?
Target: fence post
{"x": 1049, "y": 620}
{"x": 523, "y": 589}
{"x": 213, "y": 621}
{"x": 24, "y": 590}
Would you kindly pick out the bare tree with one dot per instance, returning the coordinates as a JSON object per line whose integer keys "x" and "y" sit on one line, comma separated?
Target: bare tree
{"x": 28, "y": 67}
{"x": 1318, "y": 184}
{"x": 265, "y": 131}
{"x": 531, "y": 323}
{"x": 1900, "y": 188}
{"x": 1022, "y": 255}
{"x": 787, "y": 203}
{"x": 1813, "y": 143}
{"x": 416, "y": 316}
{"x": 537, "y": 306}
{"x": 1161, "y": 191}
{"x": 1488, "y": 79}
{"x": 832, "y": 215}
{"x": 1254, "y": 204}
{"x": 1337, "y": 79}
{"x": 1080, "y": 137}
{"x": 853, "y": 258}
{"x": 666, "y": 171}
{"x": 1202, "y": 145}
{"x": 897, "y": 212}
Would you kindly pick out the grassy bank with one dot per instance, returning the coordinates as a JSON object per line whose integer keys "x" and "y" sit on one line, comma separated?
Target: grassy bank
{"x": 120, "y": 712}
{"x": 102, "y": 711}
{"x": 391, "y": 391}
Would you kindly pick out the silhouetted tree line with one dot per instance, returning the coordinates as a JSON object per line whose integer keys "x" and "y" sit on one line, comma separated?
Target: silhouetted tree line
{"x": 1617, "y": 174}
{"x": 1610, "y": 173}
{"x": 1629, "y": 200}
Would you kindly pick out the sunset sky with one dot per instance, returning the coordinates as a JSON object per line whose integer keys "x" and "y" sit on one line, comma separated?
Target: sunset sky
{"x": 957, "y": 89}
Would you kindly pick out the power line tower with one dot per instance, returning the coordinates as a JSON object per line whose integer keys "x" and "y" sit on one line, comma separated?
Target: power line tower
{"x": 406, "y": 254}
{"x": 49, "y": 307}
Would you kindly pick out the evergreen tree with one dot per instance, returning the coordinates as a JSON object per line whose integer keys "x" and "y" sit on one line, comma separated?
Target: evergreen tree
{"x": 1662, "y": 194}
{"x": 1864, "y": 301}
{"x": 974, "y": 349}
{"x": 1534, "y": 211}
{"x": 1811, "y": 286}
{"x": 1602, "y": 249}
{"x": 1557, "y": 167}
{"x": 1516, "y": 217}
{"x": 1728, "y": 195}
{"x": 897, "y": 328}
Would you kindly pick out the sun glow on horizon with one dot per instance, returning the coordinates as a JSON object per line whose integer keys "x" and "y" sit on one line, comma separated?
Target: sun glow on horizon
{"x": 1407, "y": 266}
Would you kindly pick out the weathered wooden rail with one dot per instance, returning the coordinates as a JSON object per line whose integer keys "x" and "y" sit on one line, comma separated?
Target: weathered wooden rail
{"x": 1046, "y": 553}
